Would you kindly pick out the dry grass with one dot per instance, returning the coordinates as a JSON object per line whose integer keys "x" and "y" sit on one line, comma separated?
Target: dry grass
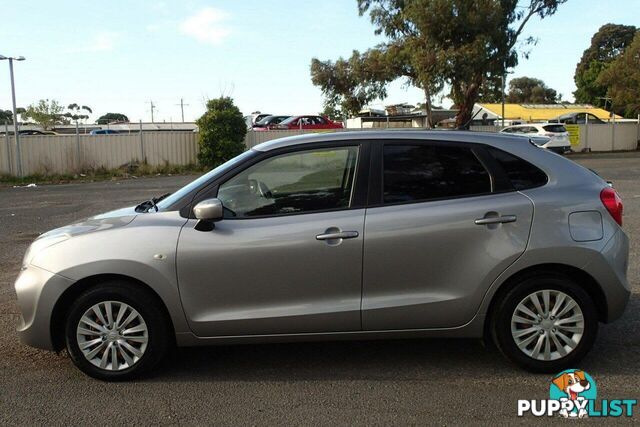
{"x": 130, "y": 170}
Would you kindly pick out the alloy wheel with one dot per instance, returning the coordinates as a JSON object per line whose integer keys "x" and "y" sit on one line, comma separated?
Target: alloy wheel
{"x": 112, "y": 335}
{"x": 547, "y": 325}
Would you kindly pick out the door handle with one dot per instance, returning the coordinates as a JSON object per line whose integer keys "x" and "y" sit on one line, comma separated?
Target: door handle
{"x": 496, "y": 220}
{"x": 338, "y": 235}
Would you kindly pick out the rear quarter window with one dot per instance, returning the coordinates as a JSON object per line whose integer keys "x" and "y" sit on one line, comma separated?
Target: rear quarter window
{"x": 522, "y": 174}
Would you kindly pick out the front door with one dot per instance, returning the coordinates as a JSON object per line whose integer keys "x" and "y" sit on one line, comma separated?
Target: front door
{"x": 440, "y": 235}
{"x": 287, "y": 257}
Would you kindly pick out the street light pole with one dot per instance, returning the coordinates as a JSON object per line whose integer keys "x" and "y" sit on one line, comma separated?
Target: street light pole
{"x": 502, "y": 78}
{"x": 15, "y": 114}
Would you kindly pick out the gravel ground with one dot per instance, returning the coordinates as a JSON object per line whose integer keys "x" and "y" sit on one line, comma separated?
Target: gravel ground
{"x": 381, "y": 382}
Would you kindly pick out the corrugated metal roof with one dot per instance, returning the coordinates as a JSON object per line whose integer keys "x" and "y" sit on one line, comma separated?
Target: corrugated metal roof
{"x": 541, "y": 112}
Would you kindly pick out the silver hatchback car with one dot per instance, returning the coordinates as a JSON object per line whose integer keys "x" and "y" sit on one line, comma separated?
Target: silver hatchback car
{"x": 355, "y": 235}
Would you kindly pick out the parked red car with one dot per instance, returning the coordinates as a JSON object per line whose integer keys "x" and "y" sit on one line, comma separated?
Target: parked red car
{"x": 308, "y": 122}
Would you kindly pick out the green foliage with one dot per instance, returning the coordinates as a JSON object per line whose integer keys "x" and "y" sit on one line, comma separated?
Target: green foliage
{"x": 6, "y": 116}
{"x": 333, "y": 112}
{"x": 221, "y": 132}
{"x": 432, "y": 43}
{"x": 46, "y": 113}
{"x": 111, "y": 118}
{"x": 622, "y": 80}
{"x": 527, "y": 90}
{"x": 75, "y": 112}
{"x": 606, "y": 45}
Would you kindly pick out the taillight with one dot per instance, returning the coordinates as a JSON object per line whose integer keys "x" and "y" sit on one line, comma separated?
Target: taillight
{"x": 613, "y": 203}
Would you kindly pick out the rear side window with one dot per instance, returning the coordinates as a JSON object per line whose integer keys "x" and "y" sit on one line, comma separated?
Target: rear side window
{"x": 522, "y": 174}
{"x": 554, "y": 128}
{"x": 426, "y": 172}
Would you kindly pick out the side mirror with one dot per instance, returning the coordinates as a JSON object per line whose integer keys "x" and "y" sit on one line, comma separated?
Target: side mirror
{"x": 208, "y": 212}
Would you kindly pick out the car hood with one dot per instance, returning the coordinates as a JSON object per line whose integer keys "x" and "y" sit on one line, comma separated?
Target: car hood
{"x": 105, "y": 221}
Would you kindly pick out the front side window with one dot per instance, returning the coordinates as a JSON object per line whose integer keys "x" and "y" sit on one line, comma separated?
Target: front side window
{"x": 300, "y": 182}
{"x": 426, "y": 172}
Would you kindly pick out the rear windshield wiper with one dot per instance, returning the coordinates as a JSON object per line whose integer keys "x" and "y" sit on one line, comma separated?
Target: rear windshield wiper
{"x": 151, "y": 203}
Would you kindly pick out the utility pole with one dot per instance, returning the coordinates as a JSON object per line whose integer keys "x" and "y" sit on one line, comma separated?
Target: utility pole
{"x": 152, "y": 108}
{"x": 182, "y": 105}
{"x": 502, "y": 77}
{"x": 16, "y": 132}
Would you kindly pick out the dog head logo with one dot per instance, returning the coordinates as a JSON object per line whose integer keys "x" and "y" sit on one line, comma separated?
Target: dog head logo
{"x": 572, "y": 383}
{"x": 573, "y": 388}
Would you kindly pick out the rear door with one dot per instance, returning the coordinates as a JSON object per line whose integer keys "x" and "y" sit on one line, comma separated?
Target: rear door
{"x": 444, "y": 225}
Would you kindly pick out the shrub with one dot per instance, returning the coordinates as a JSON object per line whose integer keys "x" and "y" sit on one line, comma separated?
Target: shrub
{"x": 222, "y": 132}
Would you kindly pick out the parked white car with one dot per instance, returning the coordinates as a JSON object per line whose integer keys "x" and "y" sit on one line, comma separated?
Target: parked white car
{"x": 558, "y": 137}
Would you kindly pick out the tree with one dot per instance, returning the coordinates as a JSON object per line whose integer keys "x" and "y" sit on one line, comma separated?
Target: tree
{"x": 350, "y": 84}
{"x": 6, "y": 116}
{"x": 527, "y": 90}
{"x": 45, "y": 113}
{"x": 221, "y": 132}
{"x": 112, "y": 118}
{"x": 607, "y": 44}
{"x": 462, "y": 44}
{"x": 333, "y": 112}
{"x": 622, "y": 80}
{"x": 75, "y": 112}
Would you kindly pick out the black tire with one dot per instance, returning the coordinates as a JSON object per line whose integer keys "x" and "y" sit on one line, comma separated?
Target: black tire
{"x": 145, "y": 303}
{"x": 527, "y": 285}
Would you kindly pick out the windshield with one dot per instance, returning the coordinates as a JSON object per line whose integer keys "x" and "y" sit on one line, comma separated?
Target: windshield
{"x": 170, "y": 200}
{"x": 289, "y": 120}
{"x": 265, "y": 121}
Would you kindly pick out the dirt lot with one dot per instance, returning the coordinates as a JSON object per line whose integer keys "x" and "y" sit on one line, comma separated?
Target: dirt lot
{"x": 392, "y": 382}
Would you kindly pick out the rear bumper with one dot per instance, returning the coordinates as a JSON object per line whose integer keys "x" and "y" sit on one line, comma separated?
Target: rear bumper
{"x": 560, "y": 149}
{"x": 609, "y": 269}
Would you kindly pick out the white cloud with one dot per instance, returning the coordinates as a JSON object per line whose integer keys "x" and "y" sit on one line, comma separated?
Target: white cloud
{"x": 152, "y": 28}
{"x": 98, "y": 42}
{"x": 207, "y": 26}
{"x": 103, "y": 41}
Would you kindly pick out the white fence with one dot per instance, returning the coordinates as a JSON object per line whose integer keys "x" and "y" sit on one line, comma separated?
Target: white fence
{"x": 60, "y": 154}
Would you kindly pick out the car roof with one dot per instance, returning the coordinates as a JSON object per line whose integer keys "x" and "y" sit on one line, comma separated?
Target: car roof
{"x": 438, "y": 135}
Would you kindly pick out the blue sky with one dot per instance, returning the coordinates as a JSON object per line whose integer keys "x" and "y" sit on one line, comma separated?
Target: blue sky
{"x": 116, "y": 56}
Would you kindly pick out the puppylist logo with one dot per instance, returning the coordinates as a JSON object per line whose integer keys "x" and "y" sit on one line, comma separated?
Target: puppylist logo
{"x": 573, "y": 394}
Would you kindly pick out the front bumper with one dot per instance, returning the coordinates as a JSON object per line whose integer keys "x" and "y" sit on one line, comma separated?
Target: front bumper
{"x": 38, "y": 290}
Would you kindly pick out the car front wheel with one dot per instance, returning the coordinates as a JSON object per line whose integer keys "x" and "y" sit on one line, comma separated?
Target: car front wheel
{"x": 116, "y": 331}
{"x": 545, "y": 323}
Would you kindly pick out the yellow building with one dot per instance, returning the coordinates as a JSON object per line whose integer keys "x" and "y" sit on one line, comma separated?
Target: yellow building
{"x": 536, "y": 112}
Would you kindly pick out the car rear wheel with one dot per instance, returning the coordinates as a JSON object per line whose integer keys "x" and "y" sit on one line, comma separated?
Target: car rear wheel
{"x": 545, "y": 323}
{"x": 116, "y": 331}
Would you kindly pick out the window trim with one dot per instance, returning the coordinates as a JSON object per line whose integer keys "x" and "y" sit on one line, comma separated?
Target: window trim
{"x": 361, "y": 177}
{"x": 498, "y": 180}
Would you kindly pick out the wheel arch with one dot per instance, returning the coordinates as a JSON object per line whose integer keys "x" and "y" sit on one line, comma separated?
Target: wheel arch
{"x": 589, "y": 284}
{"x": 63, "y": 304}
